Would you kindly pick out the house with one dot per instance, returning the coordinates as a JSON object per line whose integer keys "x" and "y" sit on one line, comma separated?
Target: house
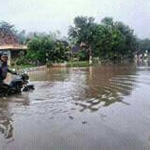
{"x": 13, "y": 51}
{"x": 9, "y": 43}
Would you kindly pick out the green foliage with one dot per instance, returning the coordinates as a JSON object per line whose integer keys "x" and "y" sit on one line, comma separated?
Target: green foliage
{"x": 22, "y": 37}
{"x": 106, "y": 40}
{"x": 60, "y": 52}
{"x": 7, "y": 27}
{"x": 83, "y": 30}
{"x": 20, "y": 61}
{"x": 107, "y": 21}
{"x": 38, "y": 47}
{"x": 82, "y": 55}
{"x": 78, "y": 64}
{"x": 144, "y": 45}
{"x": 46, "y": 49}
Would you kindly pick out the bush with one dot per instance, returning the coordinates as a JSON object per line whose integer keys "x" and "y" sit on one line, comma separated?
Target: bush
{"x": 21, "y": 61}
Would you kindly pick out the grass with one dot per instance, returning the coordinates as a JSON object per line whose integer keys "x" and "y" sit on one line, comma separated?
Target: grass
{"x": 69, "y": 64}
{"x": 23, "y": 66}
{"x": 78, "y": 64}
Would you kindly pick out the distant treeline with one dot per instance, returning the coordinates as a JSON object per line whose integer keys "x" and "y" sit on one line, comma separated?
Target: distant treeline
{"x": 107, "y": 40}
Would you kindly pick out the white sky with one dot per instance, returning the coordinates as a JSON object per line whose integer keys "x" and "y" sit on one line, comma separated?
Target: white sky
{"x": 52, "y": 15}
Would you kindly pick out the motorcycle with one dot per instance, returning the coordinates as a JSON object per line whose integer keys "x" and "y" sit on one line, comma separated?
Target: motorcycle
{"x": 17, "y": 86}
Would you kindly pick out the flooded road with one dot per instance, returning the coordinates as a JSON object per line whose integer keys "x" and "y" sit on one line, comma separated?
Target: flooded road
{"x": 99, "y": 108}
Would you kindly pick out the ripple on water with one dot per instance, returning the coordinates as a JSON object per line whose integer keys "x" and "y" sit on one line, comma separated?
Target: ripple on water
{"x": 58, "y": 107}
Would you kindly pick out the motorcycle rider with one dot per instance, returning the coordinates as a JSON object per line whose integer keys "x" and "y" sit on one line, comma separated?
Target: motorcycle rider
{"x": 4, "y": 69}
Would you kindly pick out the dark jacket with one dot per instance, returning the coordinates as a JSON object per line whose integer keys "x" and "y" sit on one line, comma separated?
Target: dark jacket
{"x": 3, "y": 70}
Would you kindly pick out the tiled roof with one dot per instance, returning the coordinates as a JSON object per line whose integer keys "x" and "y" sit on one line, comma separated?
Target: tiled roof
{"x": 8, "y": 40}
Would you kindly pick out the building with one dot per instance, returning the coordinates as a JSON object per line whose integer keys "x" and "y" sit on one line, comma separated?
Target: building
{"x": 9, "y": 43}
{"x": 13, "y": 50}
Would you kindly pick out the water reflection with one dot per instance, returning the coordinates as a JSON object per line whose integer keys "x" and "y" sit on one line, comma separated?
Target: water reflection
{"x": 6, "y": 127}
{"x": 142, "y": 62}
{"x": 6, "y": 114}
{"x": 106, "y": 85}
{"x": 90, "y": 88}
{"x": 52, "y": 74}
{"x": 57, "y": 115}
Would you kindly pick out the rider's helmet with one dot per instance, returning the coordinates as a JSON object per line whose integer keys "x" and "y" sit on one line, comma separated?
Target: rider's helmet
{"x": 4, "y": 56}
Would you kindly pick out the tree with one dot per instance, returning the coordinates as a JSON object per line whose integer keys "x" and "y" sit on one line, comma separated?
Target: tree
{"x": 108, "y": 40}
{"x": 122, "y": 41}
{"x": 83, "y": 32}
{"x": 60, "y": 52}
{"x": 130, "y": 39}
{"x": 43, "y": 48}
{"x": 38, "y": 47}
{"x": 22, "y": 37}
{"x": 107, "y": 21}
{"x": 144, "y": 45}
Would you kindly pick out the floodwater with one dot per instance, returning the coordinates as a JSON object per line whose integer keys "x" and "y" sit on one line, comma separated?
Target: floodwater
{"x": 95, "y": 108}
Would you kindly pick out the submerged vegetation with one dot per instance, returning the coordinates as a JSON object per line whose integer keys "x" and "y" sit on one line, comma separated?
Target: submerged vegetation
{"x": 106, "y": 41}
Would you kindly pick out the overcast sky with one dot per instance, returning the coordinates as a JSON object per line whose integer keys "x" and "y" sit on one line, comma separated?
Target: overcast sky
{"x": 52, "y": 15}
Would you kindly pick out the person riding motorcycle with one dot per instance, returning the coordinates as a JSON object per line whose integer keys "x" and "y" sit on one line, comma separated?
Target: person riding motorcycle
{"x": 4, "y": 69}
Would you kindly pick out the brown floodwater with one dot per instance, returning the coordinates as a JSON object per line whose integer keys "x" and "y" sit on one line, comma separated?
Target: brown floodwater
{"x": 95, "y": 108}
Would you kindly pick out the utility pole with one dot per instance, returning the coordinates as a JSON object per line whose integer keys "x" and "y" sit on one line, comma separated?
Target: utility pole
{"x": 90, "y": 55}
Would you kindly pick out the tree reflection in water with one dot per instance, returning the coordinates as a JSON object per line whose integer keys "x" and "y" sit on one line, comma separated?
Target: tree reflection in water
{"x": 106, "y": 86}
{"x": 91, "y": 87}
